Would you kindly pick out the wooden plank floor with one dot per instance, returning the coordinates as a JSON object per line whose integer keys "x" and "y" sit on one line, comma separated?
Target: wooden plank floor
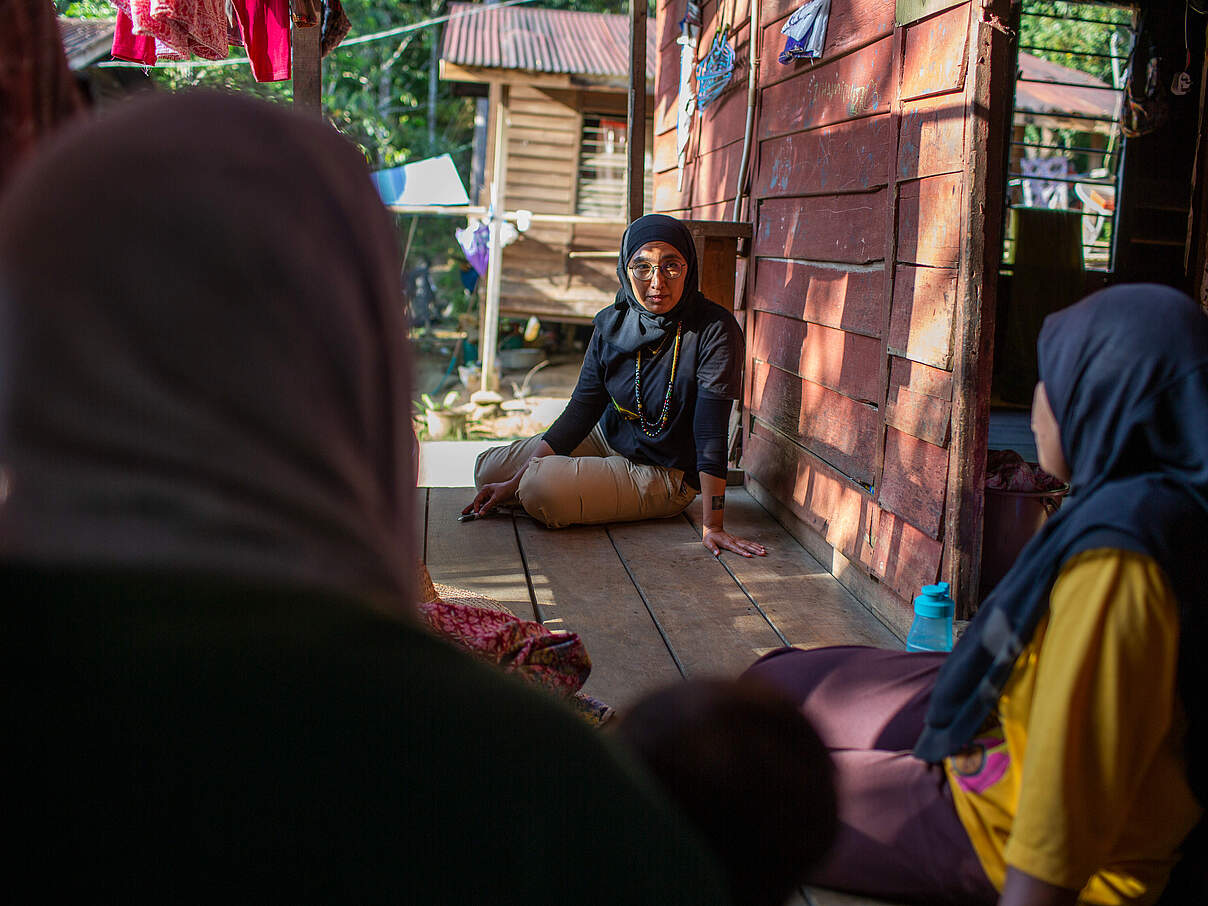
{"x": 649, "y": 601}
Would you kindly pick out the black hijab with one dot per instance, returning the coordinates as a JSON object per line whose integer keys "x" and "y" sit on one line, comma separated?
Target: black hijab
{"x": 209, "y": 368}
{"x": 627, "y": 325}
{"x": 1126, "y": 373}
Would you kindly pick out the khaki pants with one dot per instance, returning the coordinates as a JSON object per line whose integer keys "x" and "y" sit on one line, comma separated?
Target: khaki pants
{"x": 595, "y": 484}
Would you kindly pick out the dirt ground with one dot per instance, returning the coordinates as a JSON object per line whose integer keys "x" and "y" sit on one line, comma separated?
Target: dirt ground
{"x": 532, "y": 398}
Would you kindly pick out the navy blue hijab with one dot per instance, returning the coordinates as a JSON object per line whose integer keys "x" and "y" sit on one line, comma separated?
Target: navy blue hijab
{"x": 628, "y": 325}
{"x": 1126, "y": 374}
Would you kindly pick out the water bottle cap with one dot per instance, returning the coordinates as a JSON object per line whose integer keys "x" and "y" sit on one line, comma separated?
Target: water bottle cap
{"x": 934, "y": 601}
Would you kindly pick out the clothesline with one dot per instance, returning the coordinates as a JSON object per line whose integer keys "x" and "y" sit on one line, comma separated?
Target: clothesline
{"x": 347, "y": 42}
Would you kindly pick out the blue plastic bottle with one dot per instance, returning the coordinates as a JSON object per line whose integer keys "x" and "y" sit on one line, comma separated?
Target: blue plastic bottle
{"x": 932, "y": 626}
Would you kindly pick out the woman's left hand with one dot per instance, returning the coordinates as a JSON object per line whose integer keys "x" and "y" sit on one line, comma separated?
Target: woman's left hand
{"x": 718, "y": 540}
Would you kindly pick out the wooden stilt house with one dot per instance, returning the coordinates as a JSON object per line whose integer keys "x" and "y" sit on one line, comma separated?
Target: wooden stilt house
{"x": 879, "y": 177}
{"x": 557, "y": 83}
{"x": 866, "y": 311}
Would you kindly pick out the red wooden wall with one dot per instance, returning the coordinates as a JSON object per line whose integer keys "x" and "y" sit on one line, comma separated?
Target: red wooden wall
{"x": 860, "y": 300}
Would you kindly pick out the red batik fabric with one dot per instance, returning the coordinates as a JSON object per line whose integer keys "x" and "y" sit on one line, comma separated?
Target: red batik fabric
{"x": 556, "y": 660}
{"x": 181, "y": 28}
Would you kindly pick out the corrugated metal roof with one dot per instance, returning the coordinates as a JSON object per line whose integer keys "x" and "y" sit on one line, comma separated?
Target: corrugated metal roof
{"x": 1097, "y": 98}
{"x": 542, "y": 40}
{"x": 85, "y": 40}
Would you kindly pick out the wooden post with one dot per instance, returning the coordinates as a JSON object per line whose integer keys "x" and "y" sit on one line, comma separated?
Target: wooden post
{"x": 1195, "y": 258}
{"x": 410, "y": 239}
{"x": 307, "y": 70}
{"x": 490, "y": 317}
{"x": 494, "y": 100}
{"x": 637, "y": 110}
{"x": 974, "y": 315}
{"x": 891, "y": 255}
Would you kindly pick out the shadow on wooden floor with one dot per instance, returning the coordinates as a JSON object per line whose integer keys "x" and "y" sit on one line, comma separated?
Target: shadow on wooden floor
{"x": 651, "y": 604}
{"x": 649, "y": 601}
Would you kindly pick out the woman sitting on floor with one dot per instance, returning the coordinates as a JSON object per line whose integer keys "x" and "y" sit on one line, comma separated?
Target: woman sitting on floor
{"x": 650, "y": 411}
{"x": 1059, "y": 750}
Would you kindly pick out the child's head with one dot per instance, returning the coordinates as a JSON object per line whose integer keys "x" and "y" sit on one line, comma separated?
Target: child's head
{"x": 746, "y": 766}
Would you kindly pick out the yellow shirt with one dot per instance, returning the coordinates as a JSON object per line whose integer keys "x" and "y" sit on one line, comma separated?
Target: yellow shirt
{"x": 1082, "y": 783}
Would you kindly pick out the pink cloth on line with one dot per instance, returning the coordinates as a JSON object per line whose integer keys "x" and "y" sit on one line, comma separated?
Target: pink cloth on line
{"x": 129, "y": 46}
{"x": 265, "y": 28}
{"x": 166, "y": 40}
{"x": 182, "y": 28}
{"x": 148, "y": 30}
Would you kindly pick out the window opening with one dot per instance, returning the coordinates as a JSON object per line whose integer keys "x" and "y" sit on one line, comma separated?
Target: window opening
{"x": 602, "y": 164}
{"x": 1066, "y": 149}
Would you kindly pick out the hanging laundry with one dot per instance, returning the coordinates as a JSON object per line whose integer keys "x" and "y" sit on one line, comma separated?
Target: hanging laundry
{"x": 306, "y": 13}
{"x": 806, "y": 32}
{"x": 264, "y": 25}
{"x": 335, "y": 26}
{"x": 713, "y": 73}
{"x": 168, "y": 36}
{"x": 686, "y": 101}
{"x": 151, "y": 30}
{"x": 181, "y": 28}
{"x": 129, "y": 46}
{"x": 234, "y": 35}
{"x": 475, "y": 241}
{"x": 188, "y": 27}
{"x": 129, "y": 42}
{"x": 203, "y": 22}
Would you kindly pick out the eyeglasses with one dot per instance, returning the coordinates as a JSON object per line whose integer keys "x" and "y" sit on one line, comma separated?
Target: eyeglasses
{"x": 645, "y": 271}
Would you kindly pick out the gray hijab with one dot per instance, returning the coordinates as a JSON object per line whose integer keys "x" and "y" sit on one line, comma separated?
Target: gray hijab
{"x": 206, "y": 367}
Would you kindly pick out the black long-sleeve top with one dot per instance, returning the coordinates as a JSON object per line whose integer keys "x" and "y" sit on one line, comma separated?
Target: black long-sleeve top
{"x": 708, "y": 377}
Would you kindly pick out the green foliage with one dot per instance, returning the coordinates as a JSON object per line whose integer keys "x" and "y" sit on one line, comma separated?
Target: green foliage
{"x": 376, "y": 94}
{"x": 1049, "y": 24}
{"x": 85, "y": 9}
{"x": 446, "y": 403}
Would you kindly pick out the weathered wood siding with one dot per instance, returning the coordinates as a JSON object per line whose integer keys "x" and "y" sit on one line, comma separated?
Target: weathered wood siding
{"x": 861, "y": 199}
{"x": 540, "y": 275}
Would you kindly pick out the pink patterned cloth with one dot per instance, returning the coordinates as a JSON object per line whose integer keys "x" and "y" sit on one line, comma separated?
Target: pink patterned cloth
{"x": 150, "y": 30}
{"x": 556, "y": 660}
{"x": 196, "y": 27}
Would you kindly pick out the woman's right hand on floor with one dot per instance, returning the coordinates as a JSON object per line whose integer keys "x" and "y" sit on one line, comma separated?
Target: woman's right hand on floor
{"x": 490, "y": 496}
